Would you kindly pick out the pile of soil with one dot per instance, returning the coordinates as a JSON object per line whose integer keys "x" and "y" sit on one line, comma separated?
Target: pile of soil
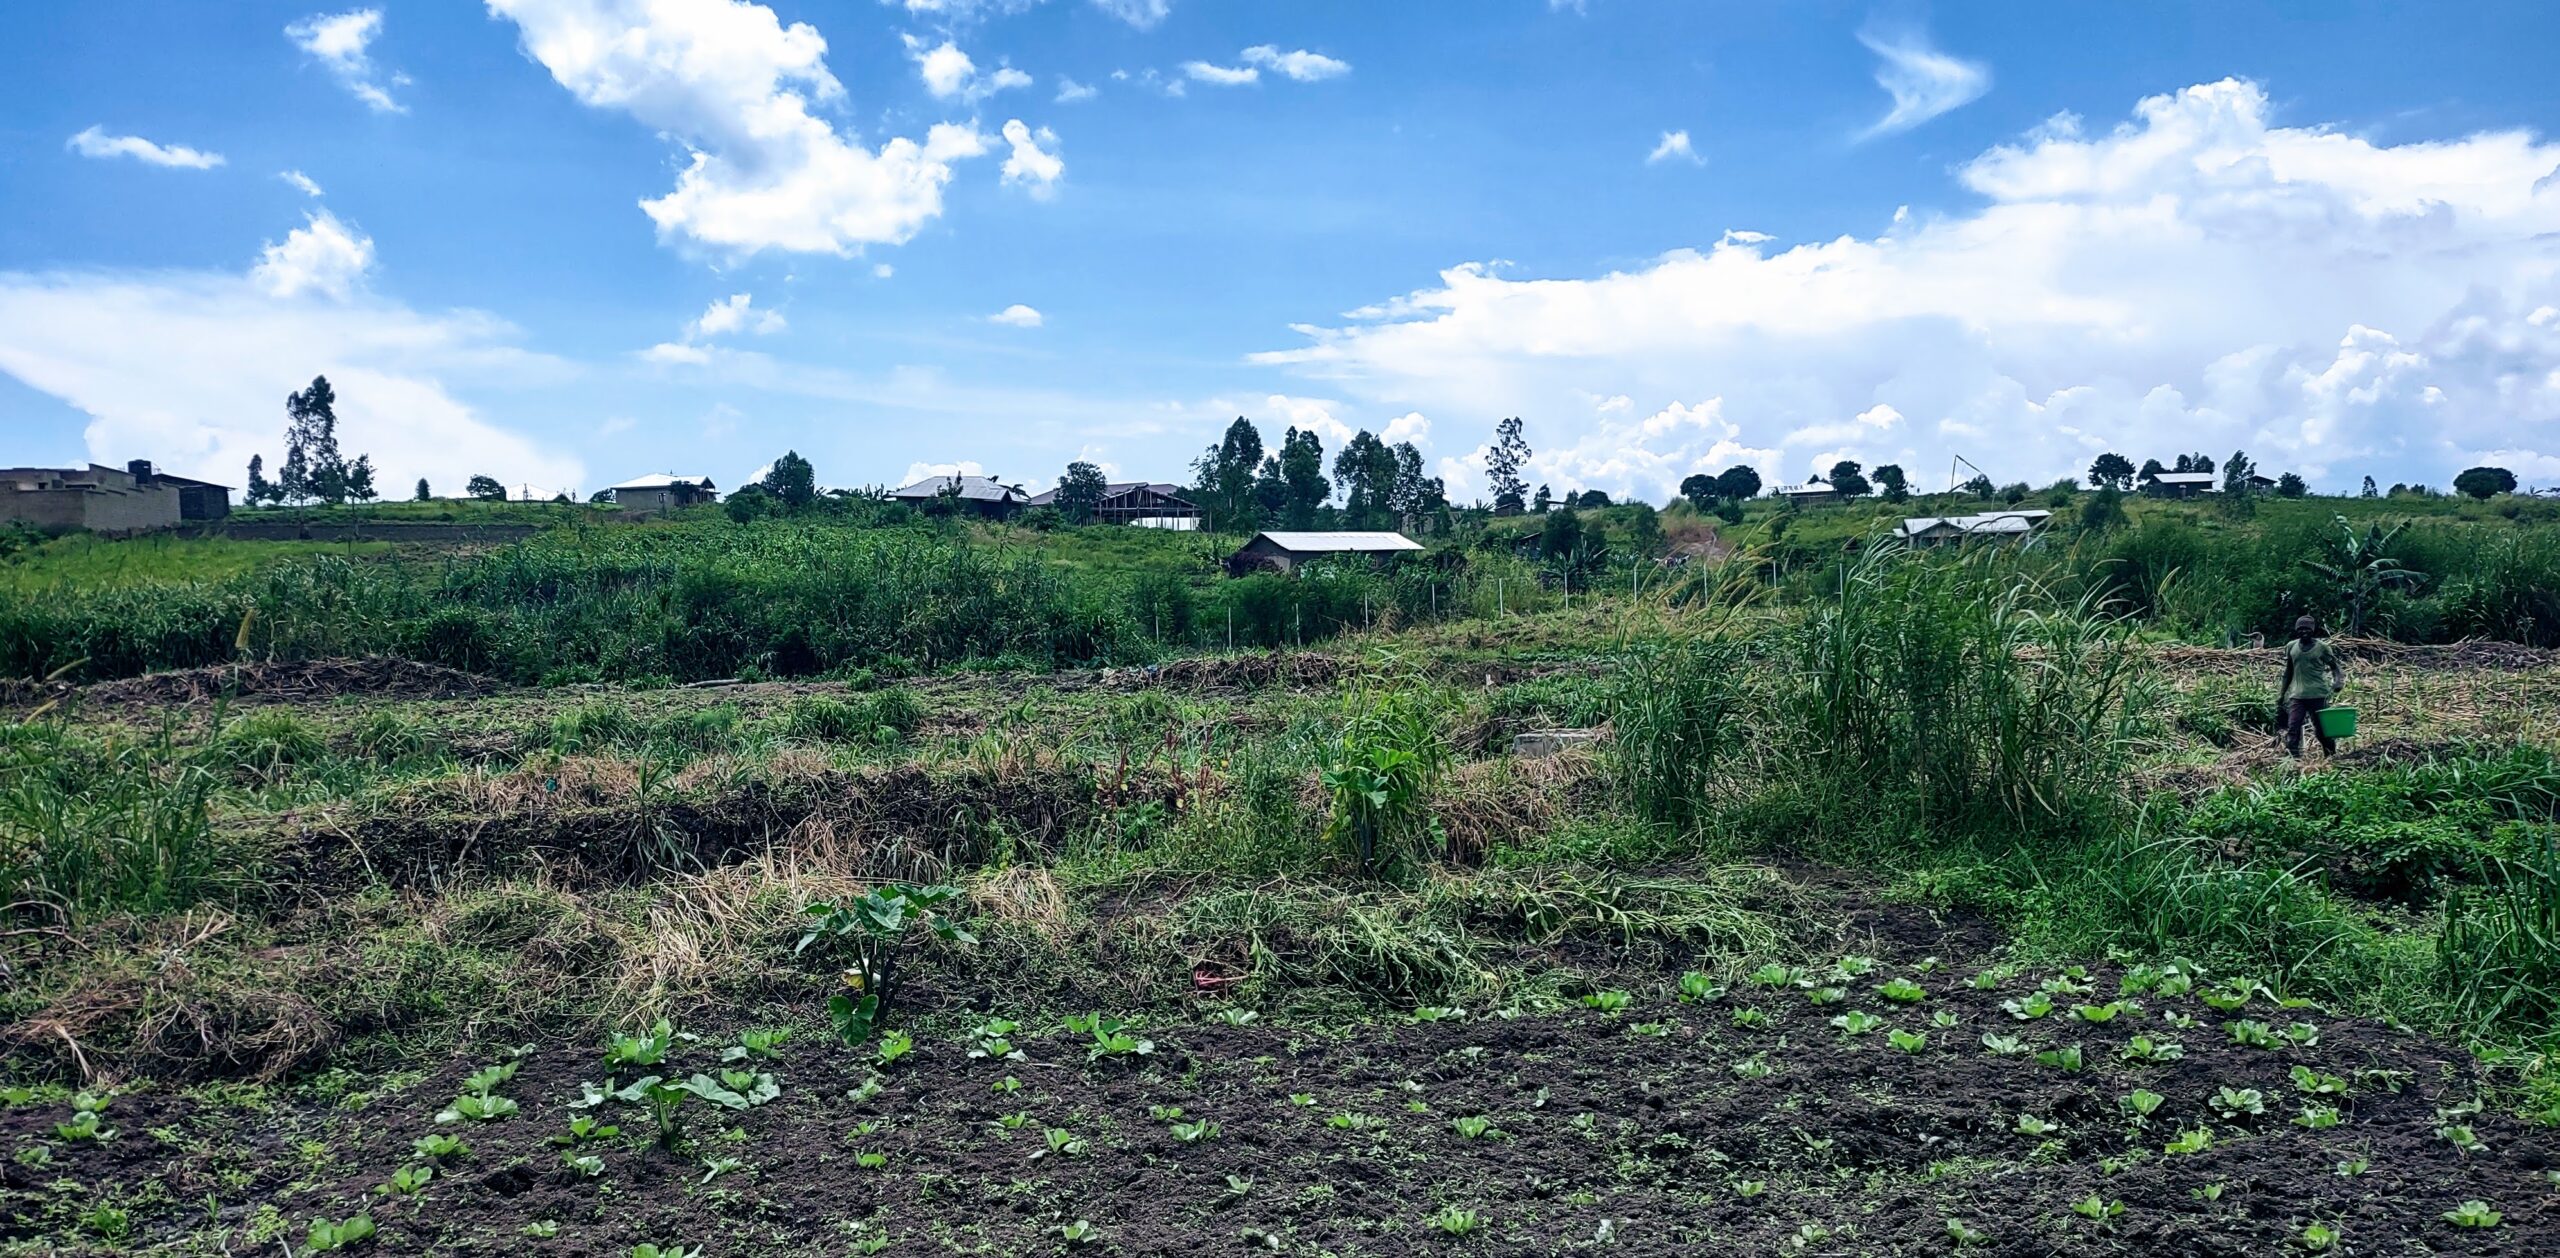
{"x": 1291, "y": 669}
{"x": 1655, "y": 1128}
{"x": 296, "y": 681}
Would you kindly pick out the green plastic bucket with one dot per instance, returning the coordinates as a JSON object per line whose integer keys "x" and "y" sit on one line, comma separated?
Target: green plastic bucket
{"x": 2336, "y": 722}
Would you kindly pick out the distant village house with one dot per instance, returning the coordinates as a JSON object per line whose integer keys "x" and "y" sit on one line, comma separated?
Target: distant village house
{"x": 1991, "y": 526}
{"x": 1141, "y": 504}
{"x": 978, "y": 495}
{"x": 662, "y": 491}
{"x": 1286, "y": 552}
{"x": 115, "y": 501}
{"x": 1812, "y": 493}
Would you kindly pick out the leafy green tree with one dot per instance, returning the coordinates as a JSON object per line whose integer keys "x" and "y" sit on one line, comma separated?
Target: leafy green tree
{"x": 486, "y": 489}
{"x": 1223, "y": 476}
{"x": 2236, "y": 472}
{"x": 1700, "y": 489}
{"x": 1416, "y": 494}
{"x": 1503, "y": 464}
{"x": 1739, "y": 483}
{"x": 425, "y": 494}
{"x": 2111, "y": 471}
{"x": 1302, "y": 475}
{"x": 2368, "y": 491}
{"x": 2151, "y": 470}
{"x": 1080, "y": 491}
{"x": 1644, "y": 531}
{"x": 792, "y": 481}
{"x": 1365, "y": 468}
{"x": 1848, "y": 478}
{"x": 313, "y": 467}
{"x": 359, "y": 486}
{"x": 1560, "y": 536}
{"x": 1896, "y": 486}
{"x": 2291, "y": 485}
{"x": 2485, "y": 482}
{"x": 260, "y": 488}
{"x": 1981, "y": 487}
{"x": 2103, "y": 510}
{"x": 1545, "y": 501}
{"x": 1590, "y": 499}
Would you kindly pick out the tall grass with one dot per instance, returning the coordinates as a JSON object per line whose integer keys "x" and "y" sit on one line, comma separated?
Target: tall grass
{"x": 1673, "y": 716}
{"x": 99, "y": 826}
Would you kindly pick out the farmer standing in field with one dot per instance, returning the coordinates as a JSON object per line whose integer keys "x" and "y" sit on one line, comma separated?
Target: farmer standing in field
{"x": 2312, "y": 676}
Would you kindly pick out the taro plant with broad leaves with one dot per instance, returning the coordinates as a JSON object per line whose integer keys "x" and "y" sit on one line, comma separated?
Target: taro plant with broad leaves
{"x": 1380, "y": 768}
{"x": 875, "y": 928}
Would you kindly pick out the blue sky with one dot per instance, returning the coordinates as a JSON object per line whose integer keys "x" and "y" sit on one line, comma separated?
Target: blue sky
{"x": 1011, "y": 233}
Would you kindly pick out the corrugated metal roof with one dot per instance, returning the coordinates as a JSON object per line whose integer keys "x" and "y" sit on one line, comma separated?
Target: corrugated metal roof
{"x": 1049, "y": 497}
{"x": 1999, "y": 522}
{"x": 974, "y": 488}
{"x": 1320, "y": 542}
{"x": 663, "y": 480}
{"x": 2187, "y": 478}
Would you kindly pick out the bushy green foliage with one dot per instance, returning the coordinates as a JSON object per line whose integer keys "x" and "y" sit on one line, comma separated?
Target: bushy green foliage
{"x": 1381, "y": 768}
{"x": 2397, "y": 833}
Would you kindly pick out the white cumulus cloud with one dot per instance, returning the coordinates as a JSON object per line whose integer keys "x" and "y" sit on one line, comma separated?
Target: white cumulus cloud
{"x": 1221, "y": 76}
{"x": 1674, "y": 147}
{"x": 1304, "y": 66}
{"x": 190, "y": 368}
{"x": 1016, "y": 316}
{"x": 737, "y": 313}
{"x": 1924, "y": 82}
{"x": 1036, "y": 168}
{"x": 95, "y": 142}
{"x": 950, "y": 74}
{"x": 322, "y": 256}
{"x": 340, "y": 42}
{"x": 1071, "y": 92}
{"x": 734, "y": 86}
{"x": 2196, "y": 278}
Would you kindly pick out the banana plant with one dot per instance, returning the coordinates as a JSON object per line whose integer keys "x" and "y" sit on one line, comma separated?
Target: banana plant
{"x": 2361, "y": 567}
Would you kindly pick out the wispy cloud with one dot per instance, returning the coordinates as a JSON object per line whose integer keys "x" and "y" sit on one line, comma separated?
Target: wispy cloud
{"x": 1221, "y": 76}
{"x": 340, "y": 42}
{"x": 1674, "y": 148}
{"x": 1924, "y": 81}
{"x": 95, "y": 142}
{"x": 302, "y": 183}
{"x": 1302, "y": 65}
{"x": 1017, "y": 316}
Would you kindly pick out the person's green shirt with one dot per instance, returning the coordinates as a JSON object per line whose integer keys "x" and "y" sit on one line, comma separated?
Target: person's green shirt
{"x": 2311, "y": 668}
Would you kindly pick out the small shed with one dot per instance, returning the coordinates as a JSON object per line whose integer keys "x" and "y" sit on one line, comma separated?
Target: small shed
{"x": 197, "y": 499}
{"x": 661, "y": 491}
{"x": 1145, "y": 504}
{"x": 978, "y": 495}
{"x": 1286, "y": 552}
{"x": 1993, "y": 525}
{"x": 1813, "y": 492}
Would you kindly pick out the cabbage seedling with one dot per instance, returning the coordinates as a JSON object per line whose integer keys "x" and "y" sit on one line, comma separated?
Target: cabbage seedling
{"x": 1697, "y": 988}
{"x": 1472, "y": 1128}
{"x": 326, "y": 1235}
{"x": 1233, "y": 1016}
{"x": 2317, "y": 1117}
{"x": 1456, "y": 1221}
{"x": 641, "y": 1050}
{"x": 2192, "y": 1140}
{"x": 2463, "y": 1138}
{"x": 2319, "y": 1238}
{"x": 1854, "y": 965}
{"x": 1750, "y": 1187}
{"x": 2036, "y": 1005}
{"x": 2305, "y": 1079}
{"x": 1902, "y": 991}
{"x": 714, "y": 1168}
{"x": 2354, "y": 1166}
{"x": 2141, "y": 1103}
{"x": 894, "y": 1045}
{"x": 1302, "y": 1098}
{"x": 408, "y": 1181}
{"x": 1771, "y": 975}
{"x": 1164, "y": 1113}
{"x": 582, "y": 1130}
{"x": 1062, "y": 1142}
{"x": 585, "y": 1164}
{"x": 1438, "y": 1013}
{"x": 1007, "y": 1085}
{"x": 1827, "y": 995}
{"x": 759, "y": 1044}
{"x": 870, "y": 1160}
{"x": 2030, "y": 1125}
{"x": 1909, "y": 1041}
{"x": 1756, "y": 1066}
{"x": 2097, "y": 1209}
{"x": 1608, "y": 1001}
{"x": 2233, "y": 1102}
{"x": 1983, "y": 982}
{"x": 1195, "y": 1132}
{"x": 2302, "y": 1034}
{"x": 1079, "y": 1232}
{"x": 477, "y": 1107}
{"x": 1962, "y": 1235}
{"x": 2232, "y": 995}
{"x": 84, "y": 1126}
{"x": 2004, "y": 1045}
{"x": 2252, "y": 1033}
{"x": 542, "y": 1229}
{"x": 1014, "y": 1121}
{"x": 1856, "y": 1022}
{"x": 2066, "y": 1059}
{"x": 2143, "y": 1048}
{"x": 439, "y": 1147}
{"x": 1943, "y": 1018}
{"x": 2473, "y": 1214}
{"x": 2101, "y": 1014}
{"x": 1749, "y": 1017}
{"x": 665, "y": 1101}
{"x": 1112, "y": 1039}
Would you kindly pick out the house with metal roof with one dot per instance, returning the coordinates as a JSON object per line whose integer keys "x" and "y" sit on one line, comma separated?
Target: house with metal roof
{"x": 978, "y": 495}
{"x": 1142, "y": 504}
{"x": 112, "y": 501}
{"x": 1813, "y": 492}
{"x": 1992, "y": 525}
{"x": 662, "y": 491}
{"x": 1286, "y": 552}
{"x": 2182, "y": 484}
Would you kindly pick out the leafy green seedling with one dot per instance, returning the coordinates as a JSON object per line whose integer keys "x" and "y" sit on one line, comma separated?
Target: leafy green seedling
{"x": 665, "y": 1103}
{"x": 1472, "y": 1128}
{"x": 1827, "y": 995}
{"x": 760, "y": 1045}
{"x": 1749, "y": 1017}
{"x": 2234, "y": 1102}
{"x": 84, "y": 1126}
{"x": 1112, "y": 1039}
{"x": 1983, "y": 982}
{"x": 2004, "y": 1045}
{"x": 894, "y": 1045}
{"x": 1697, "y": 988}
{"x": 1195, "y": 1132}
{"x": 714, "y": 1168}
{"x": 1854, "y": 965}
{"x": 1062, "y": 1142}
{"x": 2319, "y": 1238}
{"x": 408, "y": 1181}
{"x": 1079, "y": 1232}
{"x": 2143, "y": 1048}
{"x": 2463, "y": 1138}
{"x": 1962, "y": 1235}
{"x": 1164, "y": 1113}
{"x": 439, "y": 1147}
{"x": 1856, "y": 1022}
{"x": 327, "y": 1234}
{"x": 1771, "y": 975}
{"x": 1902, "y": 991}
{"x": 1438, "y": 1013}
{"x": 1750, "y": 1187}
{"x": 1608, "y": 1001}
{"x": 2066, "y": 1059}
{"x": 2473, "y": 1214}
{"x": 1007, "y": 1085}
{"x": 478, "y": 1107}
{"x": 2097, "y": 1209}
{"x": 2141, "y": 1103}
{"x": 2317, "y": 1117}
{"x": 2209, "y": 1193}
{"x": 1756, "y": 1066}
{"x": 1233, "y": 1016}
{"x": 2033, "y": 1007}
{"x": 641, "y": 1050}
{"x": 870, "y": 1159}
{"x": 2252, "y": 1033}
{"x": 1354, "y": 1121}
{"x": 1909, "y": 1041}
{"x": 1302, "y": 1099}
{"x": 876, "y": 926}
{"x": 2101, "y": 1014}
{"x": 582, "y": 1130}
{"x": 2354, "y": 1166}
{"x": 2305, "y": 1079}
{"x": 1014, "y": 1121}
{"x": 2192, "y": 1140}
{"x": 1942, "y": 1019}
{"x": 2030, "y": 1125}
{"x": 542, "y": 1229}
{"x": 585, "y": 1164}
{"x": 486, "y": 1079}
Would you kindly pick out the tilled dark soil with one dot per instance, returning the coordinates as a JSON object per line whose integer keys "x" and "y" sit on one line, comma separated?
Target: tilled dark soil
{"x": 289, "y": 681}
{"x": 1647, "y": 1131}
